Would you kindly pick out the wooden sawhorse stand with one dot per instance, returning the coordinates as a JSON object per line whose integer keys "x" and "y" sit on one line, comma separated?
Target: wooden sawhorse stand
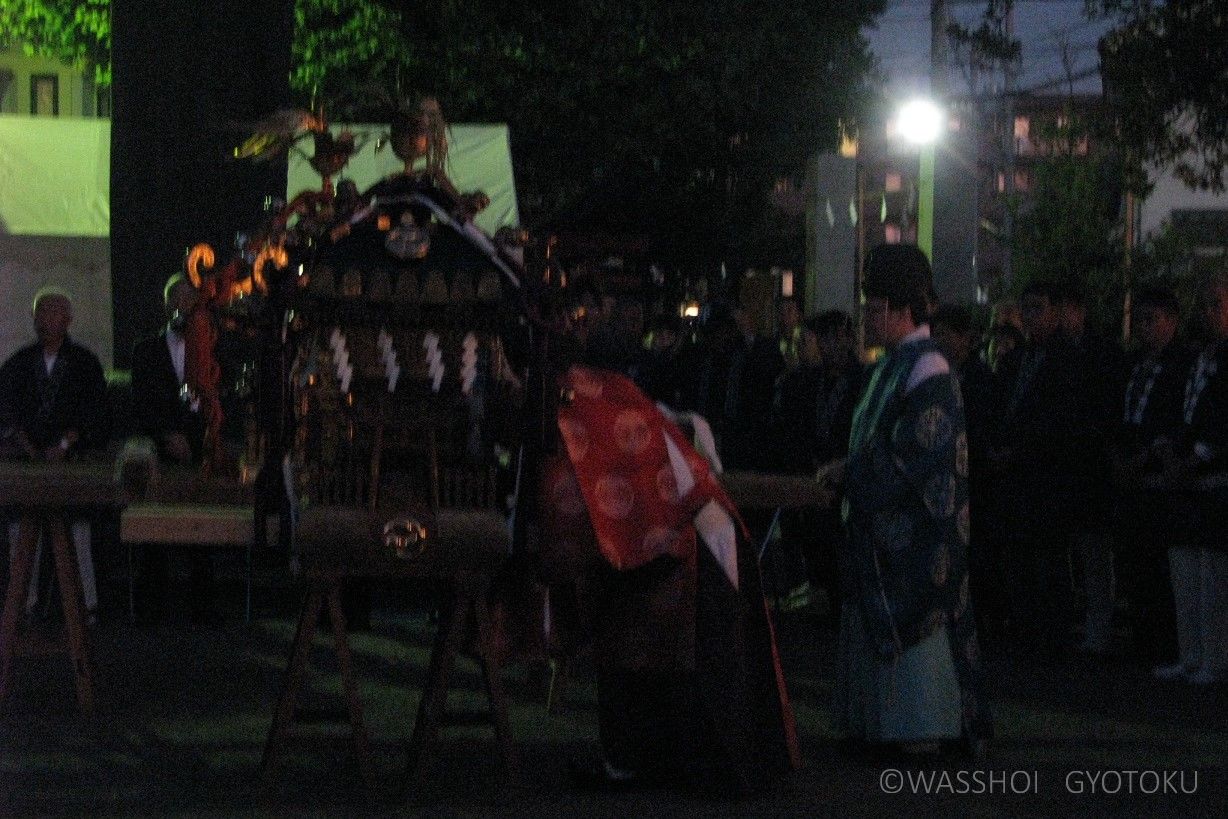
{"x": 464, "y": 550}
{"x": 45, "y": 497}
{"x": 55, "y": 525}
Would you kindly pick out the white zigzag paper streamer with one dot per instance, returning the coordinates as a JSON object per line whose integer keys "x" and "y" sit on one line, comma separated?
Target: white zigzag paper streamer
{"x": 341, "y": 358}
{"x": 469, "y": 362}
{"x": 392, "y": 370}
{"x": 434, "y": 360}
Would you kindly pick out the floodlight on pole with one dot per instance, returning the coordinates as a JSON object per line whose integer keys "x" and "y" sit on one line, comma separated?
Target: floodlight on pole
{"x": 919, "y": 121}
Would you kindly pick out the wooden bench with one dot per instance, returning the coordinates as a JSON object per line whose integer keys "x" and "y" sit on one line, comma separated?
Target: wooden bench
{"x": 188, "y": 525}
{"x": 760, "y": 490}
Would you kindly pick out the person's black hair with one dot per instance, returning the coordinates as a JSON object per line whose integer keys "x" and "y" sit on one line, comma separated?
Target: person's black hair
{"x": 1160, "y": 298}
{"x": 901, "y": 275}
{"x": 954, "y": 316}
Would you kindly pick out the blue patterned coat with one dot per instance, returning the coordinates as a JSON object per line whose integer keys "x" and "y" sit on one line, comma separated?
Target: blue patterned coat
{"x": 907, "y": 515}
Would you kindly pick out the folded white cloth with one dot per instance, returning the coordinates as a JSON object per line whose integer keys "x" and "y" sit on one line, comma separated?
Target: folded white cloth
{"x": 716, "y": 527}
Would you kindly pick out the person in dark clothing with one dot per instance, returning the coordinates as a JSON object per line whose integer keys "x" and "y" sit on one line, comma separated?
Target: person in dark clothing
{"x": 661, "y": 375}
{"x": 53, "y": 407}
{"x": 52, "y": 392}
{"x": 794, "y": 433}
{"x": 794, "y": 443}
{"x": 1037, "y": 460}
{"x": 954, "y": 334}
{"x": 789, "y": 338}
{"x": 617, "y": 338}
{"x": 842, "y": 382}
{"x": 705, "y": 365}
{"x": 1150, "y": 419}
{"x": 164, "y": 408}
{"x": 1003, "y": 339}
{"x": 169, "y": 414}
{"x": 1195, "y": 476}
{"x": 755, "y": 363}
{"x": 1101, "y": 379}
{"x": 841, "y": 388}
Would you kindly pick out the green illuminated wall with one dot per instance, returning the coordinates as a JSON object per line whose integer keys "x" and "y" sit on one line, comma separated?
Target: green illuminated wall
{"x": 55, "y": 174}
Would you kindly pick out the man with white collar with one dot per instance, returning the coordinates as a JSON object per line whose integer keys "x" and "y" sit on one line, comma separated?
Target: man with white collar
{"x": 166, "y": 411}
{"x": 908, "y": 669}
{"x": 1196, "y": 475}
{"x": 164, "y": 408}
{"x": 53, "y": 406}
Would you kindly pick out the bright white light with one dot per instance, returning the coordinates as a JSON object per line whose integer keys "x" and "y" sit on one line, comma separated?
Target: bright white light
{"x": 919, "y": 122}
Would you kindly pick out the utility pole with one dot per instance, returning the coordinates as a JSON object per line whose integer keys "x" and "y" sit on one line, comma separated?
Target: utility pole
{"x": 939, "y": 58}
{"x": 938, "y": 96}
{"x": 1009, "y": 79}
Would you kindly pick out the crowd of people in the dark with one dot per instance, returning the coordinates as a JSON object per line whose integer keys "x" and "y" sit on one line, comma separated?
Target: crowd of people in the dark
{"x": 1096, "y": 469}
{"x": 1033, "y": 486}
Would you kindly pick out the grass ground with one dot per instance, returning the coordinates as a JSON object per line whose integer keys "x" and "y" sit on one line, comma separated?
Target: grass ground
{"x": 183, "y": 713}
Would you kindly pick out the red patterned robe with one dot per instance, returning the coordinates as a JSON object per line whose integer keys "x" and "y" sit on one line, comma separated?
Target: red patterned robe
{"x": 619, "y": 510}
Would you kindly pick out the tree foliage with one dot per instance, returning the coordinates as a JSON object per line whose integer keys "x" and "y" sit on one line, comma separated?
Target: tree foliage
{"x": 77, "y": 32}
{"x": 672, "y": 119}
{"x": 1165, "y": 71}
{"x": 986, "y": 45}
{"x": 1071, "y": 229}
{"x": 342, "y": 45}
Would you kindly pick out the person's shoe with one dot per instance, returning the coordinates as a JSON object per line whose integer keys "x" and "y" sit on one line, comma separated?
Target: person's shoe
{"x": 1204, "y": 676}
{"x": 1176, "y": 671}
{"x": 600, "y": 775}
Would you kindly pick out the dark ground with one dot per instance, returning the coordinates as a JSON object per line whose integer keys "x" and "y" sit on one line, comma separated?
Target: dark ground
{"x": 183, "y": 712}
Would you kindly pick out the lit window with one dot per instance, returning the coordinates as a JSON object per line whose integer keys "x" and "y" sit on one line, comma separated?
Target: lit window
{"x": 1023, "y": 182}
{"x": 1001, "y": 182}
{"x": 891, "y": 233}
{"x": 1022, "y": 127}
{"x": 893, "y": 183}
